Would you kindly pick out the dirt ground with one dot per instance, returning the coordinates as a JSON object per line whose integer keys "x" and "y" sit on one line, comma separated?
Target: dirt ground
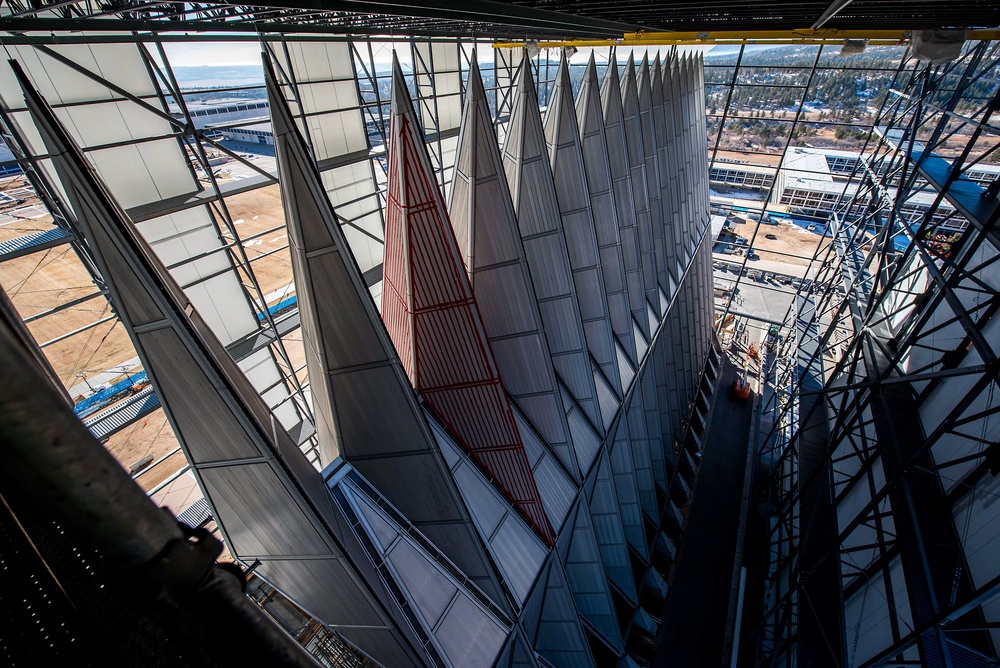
{"x": 151, "y": 435}
{"x": 754, "y": 150}
{"x": 53, "y": 277}
{"x": 45, "y": 280}
{"x": 793, "y": 245}
{"x": 260, "y": 223}
{"x": 50, "y": 278}
{"x": 765, "y": 159}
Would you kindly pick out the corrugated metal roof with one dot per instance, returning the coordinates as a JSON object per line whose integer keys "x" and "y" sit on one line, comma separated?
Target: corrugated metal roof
{"x": 32, "y": 243}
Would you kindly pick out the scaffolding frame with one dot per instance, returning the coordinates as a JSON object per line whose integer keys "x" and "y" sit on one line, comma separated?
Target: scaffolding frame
{"x": 896, "y": 315}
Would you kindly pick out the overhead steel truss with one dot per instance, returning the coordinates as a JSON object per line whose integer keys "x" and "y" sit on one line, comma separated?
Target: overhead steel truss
{"x": 353, "y": 17}
{"x": 883, "y": 452}
{"x": 555, "y": 20}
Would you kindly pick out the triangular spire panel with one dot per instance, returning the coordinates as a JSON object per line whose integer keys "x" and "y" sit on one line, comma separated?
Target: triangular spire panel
{"x": 640, "y": 188}
{"x": 643, "y": 469}
{"x": 268, "y": 500}
{"x": 625, "y": 197}
{"x": 674, "y": 129}
{"x": 660, "y": 396}
{"x": 587, "y": 579}
{"x": 552, "y": 623}
{"x": 656, "y": 414}
{"x": 562, "y": 137}
{"x": 645, "y": 95}
{"x": 432, "y": 317}
{"x": 517, "y": 550}
{"x": 482, "y": 216}
{"x": 596, "y": 162}
{"x": 464, "y": 626}
{"x": 627, "y": 489}
{"x": 610, "y": 534}
{"x": 667, "y": 168}
{"x": 365, "y": 409}
{"x": 529, "y": 176}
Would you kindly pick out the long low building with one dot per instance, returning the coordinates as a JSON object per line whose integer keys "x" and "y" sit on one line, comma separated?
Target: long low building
{"x": 205, "y": 114}
{"x": 812, "y": 181}
{"x": 257, "y": 133}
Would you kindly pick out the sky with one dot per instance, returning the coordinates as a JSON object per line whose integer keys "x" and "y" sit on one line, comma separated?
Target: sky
{"x": 212, "y": 53}
{"x": 193, "y": 54}
{"x": 248, "y": 53}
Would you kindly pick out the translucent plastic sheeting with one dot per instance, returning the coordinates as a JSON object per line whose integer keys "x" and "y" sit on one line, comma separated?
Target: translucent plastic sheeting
{"x": 262, "y": 372}
{"x": 352, "y": 191}
{"x": 943, "y": 331}
{"x": 216, "y": 292}
{"x": 138, "y": 174}
{"x": 327, "y": 94}
{"x": 328, "y": 100}
{"x": 867, "y": 616}
{"x": 506, "y": 62}
{"x": 120, "y": 64}
{"x": 446, "y": 170}
{"x": 437, "y": 70}
{"x": 152, "y": 169}
{"x": 980, "y": 541}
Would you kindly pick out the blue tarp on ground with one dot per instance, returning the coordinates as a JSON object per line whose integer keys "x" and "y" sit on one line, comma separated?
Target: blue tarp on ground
{"x": 280, "y": 307}
{"x": 104, "y": 397}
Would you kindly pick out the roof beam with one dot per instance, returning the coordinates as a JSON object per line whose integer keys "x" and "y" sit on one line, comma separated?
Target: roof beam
{"x": 835, "y": 8}
{"x": 485, "y": 17}
{"x": 797, "y": 36}
{"x": 463, "y": 10}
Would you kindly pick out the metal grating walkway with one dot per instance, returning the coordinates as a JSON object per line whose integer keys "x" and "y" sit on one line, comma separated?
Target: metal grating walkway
{"x": 197, "y": 514}
{"x": 116, "y": 418}
{"x": 32, "y": 243}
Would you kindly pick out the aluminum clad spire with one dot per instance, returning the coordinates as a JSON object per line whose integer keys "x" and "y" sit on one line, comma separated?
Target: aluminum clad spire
{"x": 625, "y": 202}
{"x": 482, "y": 216}
{"x": 585, "y": 572}
{"x": 609, "y": 532}
{"x": 432, "y": 317}
{"x": 667, "y": 172}
{"x": 675, "y": 130}
{"x": 597, "y": 167}
{"x": 640, "y": 193}
{"x": 529, "y": 176}
{"x": 645, "y": 95}
{"x": 675, "y": 157}
{"x": 562, "y": 138}
{"x": 267, "y": 499}
{"x": 551, "y": 620}
{"x": 366, "y": 411}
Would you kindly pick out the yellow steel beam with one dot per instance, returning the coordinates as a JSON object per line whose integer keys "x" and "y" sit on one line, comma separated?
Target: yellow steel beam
{"x": 803, "y": 36}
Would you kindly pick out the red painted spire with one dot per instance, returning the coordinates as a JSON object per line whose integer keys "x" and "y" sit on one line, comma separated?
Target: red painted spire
{"x": 431, "y": 315}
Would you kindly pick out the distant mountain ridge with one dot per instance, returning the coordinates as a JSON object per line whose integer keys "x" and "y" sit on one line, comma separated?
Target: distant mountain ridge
{"x": 215, "y": 76}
